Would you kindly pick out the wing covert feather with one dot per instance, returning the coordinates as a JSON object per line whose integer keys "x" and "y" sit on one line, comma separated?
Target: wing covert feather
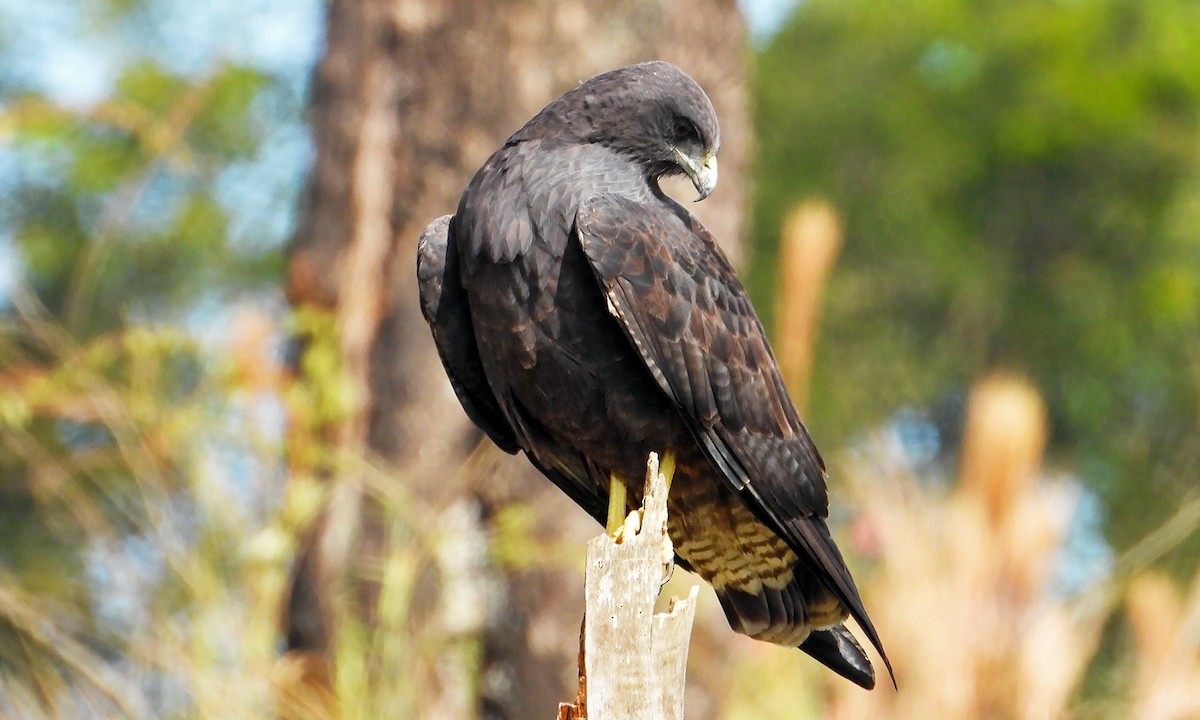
{"x": 691, "y": 321}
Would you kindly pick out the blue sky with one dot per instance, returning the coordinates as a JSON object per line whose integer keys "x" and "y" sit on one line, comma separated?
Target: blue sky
{"x": 764, "y": 16}
{"x": 64, "y": 50}
{"x": 73, "y": 49}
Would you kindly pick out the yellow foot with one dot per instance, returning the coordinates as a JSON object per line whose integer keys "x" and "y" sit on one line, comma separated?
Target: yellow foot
{"x": 621, "y": 526}
{"x": 632, "y": 526}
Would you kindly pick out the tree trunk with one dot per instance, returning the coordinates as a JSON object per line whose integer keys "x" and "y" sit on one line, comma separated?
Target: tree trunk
{"x": 409, "y": 99}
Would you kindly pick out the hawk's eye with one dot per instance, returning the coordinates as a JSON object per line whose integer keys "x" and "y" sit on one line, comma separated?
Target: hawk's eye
{"x": 684, "y": 130}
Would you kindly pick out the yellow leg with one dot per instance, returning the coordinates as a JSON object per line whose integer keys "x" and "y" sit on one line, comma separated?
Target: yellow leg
{"x": 616, "y": 505}
{"x": 667, "y": 467}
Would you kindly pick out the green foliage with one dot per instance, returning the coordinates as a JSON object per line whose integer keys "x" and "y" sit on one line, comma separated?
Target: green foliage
{"x": 220, "y": 128}
{"x": 122, "y": 216}
{"x": 1019, "y": 185}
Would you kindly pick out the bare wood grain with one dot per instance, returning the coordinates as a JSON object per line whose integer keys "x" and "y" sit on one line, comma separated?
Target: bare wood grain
{"x": 634, "y": 661}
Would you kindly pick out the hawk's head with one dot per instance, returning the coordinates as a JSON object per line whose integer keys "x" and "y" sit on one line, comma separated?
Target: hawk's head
{"x": 654, "y": 114}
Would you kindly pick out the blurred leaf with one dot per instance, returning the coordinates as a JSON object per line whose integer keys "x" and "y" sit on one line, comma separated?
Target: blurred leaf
{"x": 222, "y": 126}
{"x": 104, "y": 160}
{"x": 49, "y": 249}
{"x": 36, "y": 120}
{"x": 200, "y": 225}
{"x": 148, "y": 84}
{"x": 1171, "y": 297}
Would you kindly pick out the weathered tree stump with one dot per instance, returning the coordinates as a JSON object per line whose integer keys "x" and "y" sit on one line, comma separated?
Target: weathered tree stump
{"x": 632, "y": 662}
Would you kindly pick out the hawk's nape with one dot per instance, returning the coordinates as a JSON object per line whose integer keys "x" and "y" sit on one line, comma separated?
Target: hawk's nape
{"x": 587, "y": 319}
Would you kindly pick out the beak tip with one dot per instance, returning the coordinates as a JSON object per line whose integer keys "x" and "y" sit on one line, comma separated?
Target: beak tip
{"x": 703, "y": 175}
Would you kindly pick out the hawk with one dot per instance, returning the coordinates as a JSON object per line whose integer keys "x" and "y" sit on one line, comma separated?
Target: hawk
{"x": 586, "y": 319}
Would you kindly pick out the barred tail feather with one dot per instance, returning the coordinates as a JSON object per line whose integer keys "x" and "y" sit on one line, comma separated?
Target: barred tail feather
{"x": 781, "y": 616}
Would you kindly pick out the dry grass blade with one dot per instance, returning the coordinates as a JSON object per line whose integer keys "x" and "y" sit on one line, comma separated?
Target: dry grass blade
{"x": 1166, "y": 630}
{"x": 39, "y": 629}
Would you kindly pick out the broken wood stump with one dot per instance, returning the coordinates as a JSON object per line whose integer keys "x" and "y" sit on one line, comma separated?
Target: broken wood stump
{"x": 632, "y": 662}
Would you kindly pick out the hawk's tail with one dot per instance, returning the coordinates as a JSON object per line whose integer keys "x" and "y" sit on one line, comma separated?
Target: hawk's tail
{"x": 782, "y": 616}
{"x": 837, "y": 650}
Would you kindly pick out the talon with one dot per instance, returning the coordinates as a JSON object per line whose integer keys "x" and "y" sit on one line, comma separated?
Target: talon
{"x": 628, "y": 529}
{"x": 633, "y": 523}
{"x": 667, "y": 550}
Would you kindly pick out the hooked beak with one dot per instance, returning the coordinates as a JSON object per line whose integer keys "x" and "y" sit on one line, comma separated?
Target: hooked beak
{"x": 703, "y": 175}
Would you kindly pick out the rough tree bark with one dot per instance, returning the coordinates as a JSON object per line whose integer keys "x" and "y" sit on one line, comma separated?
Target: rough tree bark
{"x": 410, "y": 97}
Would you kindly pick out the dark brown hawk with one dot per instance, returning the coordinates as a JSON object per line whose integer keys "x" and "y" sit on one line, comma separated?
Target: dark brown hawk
{"x": 587, "y": 319}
